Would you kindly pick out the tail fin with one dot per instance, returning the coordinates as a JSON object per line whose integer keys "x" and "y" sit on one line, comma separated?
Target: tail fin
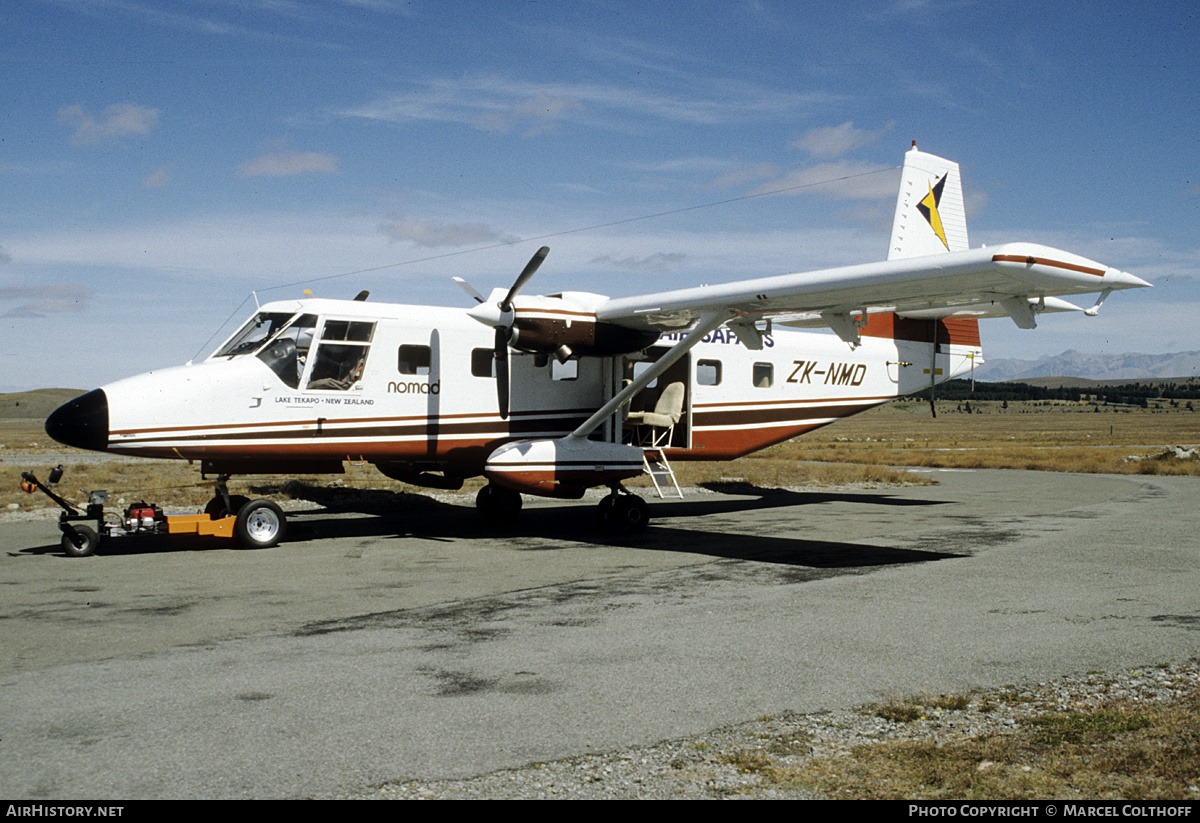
{"x": 930, "y": 218}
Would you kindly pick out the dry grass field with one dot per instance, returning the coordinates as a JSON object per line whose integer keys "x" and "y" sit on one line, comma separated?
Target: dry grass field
{"x": 859, "y": 451}
{"x": 1043, "y": 436}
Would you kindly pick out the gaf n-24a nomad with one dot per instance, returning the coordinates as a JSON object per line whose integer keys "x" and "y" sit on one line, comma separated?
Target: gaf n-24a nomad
{"x": 554, "y": 394}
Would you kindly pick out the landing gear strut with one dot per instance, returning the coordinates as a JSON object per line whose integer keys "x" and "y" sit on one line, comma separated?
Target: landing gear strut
{"x": 223, "y": 503}
{"x": 622, "y": 512}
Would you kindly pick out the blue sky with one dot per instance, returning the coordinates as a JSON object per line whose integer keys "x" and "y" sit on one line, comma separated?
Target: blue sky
{"x": 161, "y": 160}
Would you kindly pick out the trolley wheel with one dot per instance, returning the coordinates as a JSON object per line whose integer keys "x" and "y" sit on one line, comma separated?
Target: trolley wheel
{"x": 260, "y": 525}
{"x": 81, "y": 541}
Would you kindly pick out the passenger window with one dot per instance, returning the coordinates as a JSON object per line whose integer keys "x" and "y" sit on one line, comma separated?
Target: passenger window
{"x": 708, "y": 372}
{"x": 415, "y": 359}
{"x": 483, "y": 362}
{"x": 639, "y": 368}
{"x": 764, "y": 375}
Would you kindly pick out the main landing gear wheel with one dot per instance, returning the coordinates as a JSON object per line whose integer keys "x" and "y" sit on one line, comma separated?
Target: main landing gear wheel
{"x": 623, "y": 513}
{"x": 498, "y": 503}
{"x": 82, "y": 542}
{"x": 260, "y": 524}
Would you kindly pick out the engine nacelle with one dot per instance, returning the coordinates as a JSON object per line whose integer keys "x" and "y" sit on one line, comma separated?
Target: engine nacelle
{"x": 562, "y": 467}
{"x": 565, "y": 325}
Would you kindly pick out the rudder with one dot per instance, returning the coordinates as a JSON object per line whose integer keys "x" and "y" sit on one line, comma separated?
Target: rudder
{"x": 930, "y": 216}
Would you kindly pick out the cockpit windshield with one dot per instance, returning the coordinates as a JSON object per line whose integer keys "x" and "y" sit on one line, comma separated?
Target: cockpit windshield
{"x": 257, "y": 331}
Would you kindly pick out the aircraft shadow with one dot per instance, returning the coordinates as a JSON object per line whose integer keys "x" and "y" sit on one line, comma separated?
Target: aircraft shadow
{"x": 712, "y": 528}
{"x": 549, "y": 529}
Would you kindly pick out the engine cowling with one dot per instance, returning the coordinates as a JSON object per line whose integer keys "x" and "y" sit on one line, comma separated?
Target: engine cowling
{"x": 565, "y": 325}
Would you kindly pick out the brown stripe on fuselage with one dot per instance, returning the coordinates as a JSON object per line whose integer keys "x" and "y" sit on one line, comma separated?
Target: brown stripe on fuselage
{"x": 489, "y": 419}
{"x": 776, "y": 415}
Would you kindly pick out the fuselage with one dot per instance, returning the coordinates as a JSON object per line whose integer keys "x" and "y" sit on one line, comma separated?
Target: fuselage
{"x": 306, "y": 385}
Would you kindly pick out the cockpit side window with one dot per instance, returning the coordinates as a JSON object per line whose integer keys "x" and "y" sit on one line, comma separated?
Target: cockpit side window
{"x": 258, "y": 330}
{"x": 341, "y": 355}
{"x": 287, "y": 353}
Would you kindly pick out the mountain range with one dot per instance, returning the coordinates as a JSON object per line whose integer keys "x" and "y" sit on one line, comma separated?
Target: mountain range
{"x": 1072, "y": 363}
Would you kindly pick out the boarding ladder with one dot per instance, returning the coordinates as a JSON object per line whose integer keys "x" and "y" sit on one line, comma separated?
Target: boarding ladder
{"x": 655, "y": 464}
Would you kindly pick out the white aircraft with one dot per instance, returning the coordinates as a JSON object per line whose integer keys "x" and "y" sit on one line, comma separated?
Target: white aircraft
{"x": 551, "y": 395}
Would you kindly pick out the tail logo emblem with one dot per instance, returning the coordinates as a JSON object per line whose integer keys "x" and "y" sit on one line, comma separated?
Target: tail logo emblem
{"x": 929, "y": 210}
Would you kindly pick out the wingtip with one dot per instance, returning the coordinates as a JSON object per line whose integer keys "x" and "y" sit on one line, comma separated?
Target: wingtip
{"x": 1115, "y": 278}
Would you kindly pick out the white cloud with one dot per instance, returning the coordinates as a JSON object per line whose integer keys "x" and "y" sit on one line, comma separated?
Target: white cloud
{"x": 503, "y": 104}
{"x": 115, "y": 122}
{"x": 36, "y": 301}
{"x": 287, "y": 164}
{"x": 255, "y": 248}
{"x": 841, "y": 181}
{"x": 834, "y": 141}
{"x": 433, "y": 233}
{"x": 661, "y": 261}
{"x": 158, "y": 178}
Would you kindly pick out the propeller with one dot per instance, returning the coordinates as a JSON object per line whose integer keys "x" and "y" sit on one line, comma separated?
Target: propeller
{"x": 501, "y": 360}
{"x": 465, "y": 286}
{"x": 501, "y": 317}
{"x": 523, "y": 278}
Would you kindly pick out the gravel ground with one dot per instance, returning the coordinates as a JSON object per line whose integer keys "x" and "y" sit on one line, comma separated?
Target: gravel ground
{"x": 700, "y": 768}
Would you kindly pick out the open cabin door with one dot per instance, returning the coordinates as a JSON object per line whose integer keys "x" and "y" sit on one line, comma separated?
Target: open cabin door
{"x": 670, "y": 394}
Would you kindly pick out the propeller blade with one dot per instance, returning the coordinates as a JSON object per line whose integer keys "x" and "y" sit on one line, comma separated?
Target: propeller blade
{"x": 465, "y": 286}
{"x": 501, "y": 355}
{"x": 530, "y": 268}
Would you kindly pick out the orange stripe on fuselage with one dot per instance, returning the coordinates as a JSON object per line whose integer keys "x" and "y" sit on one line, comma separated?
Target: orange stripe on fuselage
{"x": 1045, "y": 261}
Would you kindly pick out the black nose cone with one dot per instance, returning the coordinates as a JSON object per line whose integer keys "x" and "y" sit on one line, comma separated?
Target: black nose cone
{"x": 82, "y": 422}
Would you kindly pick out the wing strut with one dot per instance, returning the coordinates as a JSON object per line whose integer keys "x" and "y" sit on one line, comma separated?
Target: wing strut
{"x": 708, "y": 322}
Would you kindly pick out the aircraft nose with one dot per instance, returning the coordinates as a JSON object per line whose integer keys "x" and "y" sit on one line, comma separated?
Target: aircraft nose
{"x": 82, "y": 422}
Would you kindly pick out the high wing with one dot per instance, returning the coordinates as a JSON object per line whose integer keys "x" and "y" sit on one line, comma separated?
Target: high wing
{"x": 930, "y": 273}
{"x": 1004, "y": 277}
